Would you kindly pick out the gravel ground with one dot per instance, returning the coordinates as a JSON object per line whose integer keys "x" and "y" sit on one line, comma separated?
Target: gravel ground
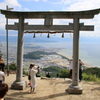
{"x": 53, "y": 89}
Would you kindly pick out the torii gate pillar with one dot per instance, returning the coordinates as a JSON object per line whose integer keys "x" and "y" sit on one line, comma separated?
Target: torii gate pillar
{"x": 75, "y": 87}
{"x": 19, "y": 83}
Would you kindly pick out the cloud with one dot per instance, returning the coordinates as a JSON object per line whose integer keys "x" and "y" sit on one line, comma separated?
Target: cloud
{"x": 26, "y": 9}
{"x": 45, "y": 0}
{"x": 64, "y": 2}
{"x": 2, "y": 22}
{"x": 81, "y": 5}
{"x": 36, "y": 0}
{"x": 12, "y": 3}
{"x": 77, "y": 5}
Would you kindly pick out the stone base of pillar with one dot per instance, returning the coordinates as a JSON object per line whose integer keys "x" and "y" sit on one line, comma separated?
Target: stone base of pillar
{"x": 74, "y": 89}
{"x": 19, "y": 85}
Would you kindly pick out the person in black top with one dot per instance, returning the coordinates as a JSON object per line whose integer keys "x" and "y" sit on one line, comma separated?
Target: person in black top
{"x": 48, "y": 75}
{"x": 2, "y": 63}
{"x": 38, "y": 73}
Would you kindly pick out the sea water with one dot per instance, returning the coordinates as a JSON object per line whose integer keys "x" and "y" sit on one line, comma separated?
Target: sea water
{"x": 89, "y": 49}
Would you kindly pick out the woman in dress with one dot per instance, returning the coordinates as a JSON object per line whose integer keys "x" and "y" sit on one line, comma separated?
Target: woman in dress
{"x": 32, "y": 73}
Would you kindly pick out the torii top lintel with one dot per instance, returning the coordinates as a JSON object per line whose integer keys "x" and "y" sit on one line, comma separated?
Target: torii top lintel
{"x": 88, "y": 14}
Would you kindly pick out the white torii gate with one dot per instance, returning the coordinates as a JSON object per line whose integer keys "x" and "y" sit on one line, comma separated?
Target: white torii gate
{"x": 48, "y": 26}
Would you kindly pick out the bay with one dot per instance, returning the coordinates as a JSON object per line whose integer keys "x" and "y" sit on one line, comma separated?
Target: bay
{"x": 89, "y": 48}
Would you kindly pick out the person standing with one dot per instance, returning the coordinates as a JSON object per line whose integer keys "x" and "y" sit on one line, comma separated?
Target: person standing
{"x": 2, "y": 63}
{"x": 70, "y": 67}
{"x": 38, "y": 73}
{"x": 57, "y": 75}
{"x": 32, "y": 73}
{"x": 80, "y": 69}
{"x": 48, "y": 75}
{"x": 2, "y": 75}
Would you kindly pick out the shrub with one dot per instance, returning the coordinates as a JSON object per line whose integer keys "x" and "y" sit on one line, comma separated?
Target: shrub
{"x": 93, "y": 71}
{"x": 25, "y": 73}
{"x": 52, "y": 69}
{"x": 12, "y": 67}
{"x": 64, "y": 73}
{"x": 90, "y": 77}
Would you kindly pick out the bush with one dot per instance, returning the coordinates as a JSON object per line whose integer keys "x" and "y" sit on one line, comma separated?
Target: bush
{"x": 52, "y": 69}
{"x": 53, "y": 74}
{"x": 12, "y": 67}
{"x": 92, "y": 71}
{"x": 25, "y": 73}
{"x": 64, "y": 73}
{"x": 90, "y": 77}
{"x": 91, "y": 74}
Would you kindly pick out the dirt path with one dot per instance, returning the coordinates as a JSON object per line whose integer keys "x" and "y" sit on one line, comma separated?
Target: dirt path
{"x": 53, "y": 89}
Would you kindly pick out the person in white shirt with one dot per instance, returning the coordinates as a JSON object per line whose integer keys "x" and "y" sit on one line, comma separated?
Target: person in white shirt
{"x": 32, "y": 73}
{"x": 2, "y": 75}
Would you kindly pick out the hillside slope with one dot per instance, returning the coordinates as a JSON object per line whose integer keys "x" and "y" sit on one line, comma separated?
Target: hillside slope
{"x": 53, "y": 89}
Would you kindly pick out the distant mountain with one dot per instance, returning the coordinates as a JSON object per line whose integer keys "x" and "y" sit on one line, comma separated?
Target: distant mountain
{"x": 52, "y": 39}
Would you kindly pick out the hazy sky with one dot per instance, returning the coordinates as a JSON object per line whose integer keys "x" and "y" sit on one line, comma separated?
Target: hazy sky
{"x": 53, "y": 5}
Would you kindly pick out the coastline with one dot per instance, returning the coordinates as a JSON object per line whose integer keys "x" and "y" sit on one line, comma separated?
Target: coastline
{"x": 86, "y": 65}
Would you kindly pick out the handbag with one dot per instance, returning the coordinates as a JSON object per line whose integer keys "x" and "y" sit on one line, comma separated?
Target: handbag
{"x": 29, "y": 77}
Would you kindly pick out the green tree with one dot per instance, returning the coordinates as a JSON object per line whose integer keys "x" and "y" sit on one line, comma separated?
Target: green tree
{"x": 12, "y": 67}
{"x": 90, "y": 77}
{"x": 92, "y": 71}
{"x": 52, "y": 69}
{"x": 64, "y": 73}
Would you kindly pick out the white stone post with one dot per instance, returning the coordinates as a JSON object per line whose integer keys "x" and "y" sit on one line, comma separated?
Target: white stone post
{"x": 75, "y": 75}
{"x": 75, "y": 87}
{"x": 20, "y": 50}
{"x": 19, "y": 84}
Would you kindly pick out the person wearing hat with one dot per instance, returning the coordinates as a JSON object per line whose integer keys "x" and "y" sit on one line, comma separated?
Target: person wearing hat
{"x": 32, "y": 73}
{"x": 2, "y": 63}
